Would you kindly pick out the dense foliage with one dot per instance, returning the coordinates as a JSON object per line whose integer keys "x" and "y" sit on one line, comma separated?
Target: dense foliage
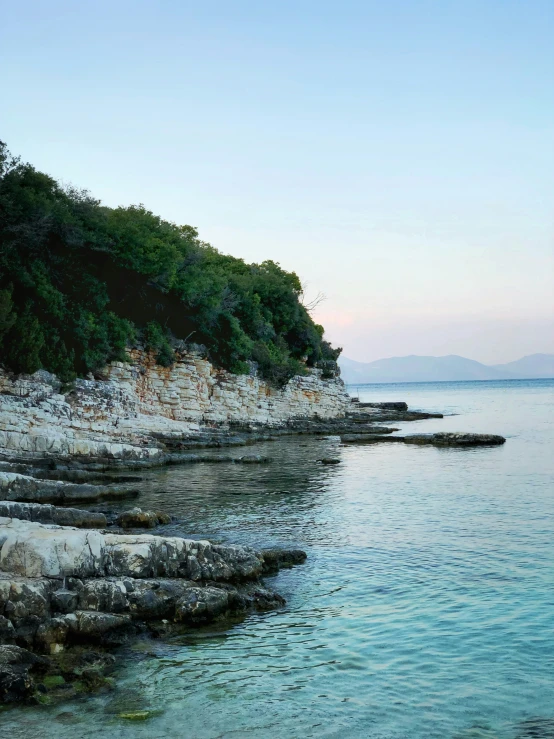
{"x": 79, "y": 282}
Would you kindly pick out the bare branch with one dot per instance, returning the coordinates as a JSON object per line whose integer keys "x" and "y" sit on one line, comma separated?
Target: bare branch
{"x": 311, "y": 305}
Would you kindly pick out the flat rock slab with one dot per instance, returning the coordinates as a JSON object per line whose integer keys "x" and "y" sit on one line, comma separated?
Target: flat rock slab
{"x": 35, "y": 550}
{"x": 445, "y": 438}
{"x": 358, "y": 430}
{"x": 389, "y": 406}
{"x": 53, "y": 515}
{"x": 180, "y": 458}
{"x": 25, "y": 489}
{"x": 381, "y": 415}
{"x": 252, "y": 459}
{"x": 368, "y": 438}
{"x": 458, "y": 439}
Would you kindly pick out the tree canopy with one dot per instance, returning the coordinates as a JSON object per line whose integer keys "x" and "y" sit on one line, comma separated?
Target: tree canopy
{"x": 80, "y": 282}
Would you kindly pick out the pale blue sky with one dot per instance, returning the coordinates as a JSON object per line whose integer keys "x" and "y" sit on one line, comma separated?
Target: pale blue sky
{"x": 398, "y": 155}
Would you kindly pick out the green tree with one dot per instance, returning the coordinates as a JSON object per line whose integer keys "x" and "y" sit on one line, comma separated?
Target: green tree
{"x": 80, "y": 282}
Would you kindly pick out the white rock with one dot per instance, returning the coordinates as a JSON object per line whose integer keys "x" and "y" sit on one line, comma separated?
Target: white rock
{"x": 33, "y": 550}
{"x": 115, "y": 417}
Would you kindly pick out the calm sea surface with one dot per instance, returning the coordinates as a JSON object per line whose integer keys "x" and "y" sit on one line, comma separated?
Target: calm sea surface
{"x": 425, "y": 609}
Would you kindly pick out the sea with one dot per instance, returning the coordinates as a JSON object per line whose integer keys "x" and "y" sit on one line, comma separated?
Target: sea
{"x": 425, "y": 609}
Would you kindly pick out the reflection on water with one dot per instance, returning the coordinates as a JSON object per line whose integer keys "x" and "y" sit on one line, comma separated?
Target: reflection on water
{"x": 285, "y": 500}
{"x": 425, "y": 608}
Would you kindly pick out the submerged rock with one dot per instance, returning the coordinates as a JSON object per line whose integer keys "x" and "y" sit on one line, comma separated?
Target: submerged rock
{"x": 62, "y": 586}
{"x": 252, "y": 459}
{"x": 15, "y": 665}
{"x": 65, "y": 586}
{"x": 137, "y": 715}
{"x": 537, "y": 727}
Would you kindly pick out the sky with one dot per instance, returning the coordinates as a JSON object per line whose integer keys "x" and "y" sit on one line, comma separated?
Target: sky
{"x": 398, "y": 156}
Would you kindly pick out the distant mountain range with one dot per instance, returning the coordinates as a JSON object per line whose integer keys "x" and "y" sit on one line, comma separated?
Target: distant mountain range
{"x": 435, "y": 369}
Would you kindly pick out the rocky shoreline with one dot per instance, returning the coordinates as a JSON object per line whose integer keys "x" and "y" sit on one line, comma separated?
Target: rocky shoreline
{"x": 76, "y": 583}
{"x": 64, "y": 589}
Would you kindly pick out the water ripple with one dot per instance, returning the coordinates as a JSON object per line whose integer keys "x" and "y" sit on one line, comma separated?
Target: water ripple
{"x": 425, "y": 609}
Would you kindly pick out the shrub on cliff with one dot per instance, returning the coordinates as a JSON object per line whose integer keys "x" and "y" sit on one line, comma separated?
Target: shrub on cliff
{"x": 79, "y": 282}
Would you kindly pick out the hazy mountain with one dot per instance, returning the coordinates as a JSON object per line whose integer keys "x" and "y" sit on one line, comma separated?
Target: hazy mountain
{"x": 533, "y": 365}
{"x": 434, "y": 369}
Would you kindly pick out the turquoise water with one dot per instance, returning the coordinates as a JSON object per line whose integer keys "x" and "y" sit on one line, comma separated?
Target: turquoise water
{"x": 425, "y": 609}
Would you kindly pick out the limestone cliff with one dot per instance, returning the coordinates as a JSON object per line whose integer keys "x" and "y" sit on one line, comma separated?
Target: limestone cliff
{"x": 136, "y": 403}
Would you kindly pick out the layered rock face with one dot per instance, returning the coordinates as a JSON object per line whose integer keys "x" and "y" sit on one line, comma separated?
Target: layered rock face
{"x": 32, "y": 549}
{"x": 121, "y": 415}
{"x": 25, "y": 488}
{"x": 61, "y": 584}
{"x": 61, "y": 587}
{"x": 52, "y": 514}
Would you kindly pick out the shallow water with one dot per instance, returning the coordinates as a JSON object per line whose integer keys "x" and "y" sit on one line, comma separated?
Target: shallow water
{"x": 425, "y": 609}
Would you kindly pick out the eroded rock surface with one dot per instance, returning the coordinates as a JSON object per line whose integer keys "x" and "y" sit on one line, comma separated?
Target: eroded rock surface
{"x": 139, "y": 407}
{"x": 32, "y": 550}
{"x": 52, "y": 515}
{"x": 63, "y": 586}
{"x": 16, "y": 664}
{"x": 136, "y": 518}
